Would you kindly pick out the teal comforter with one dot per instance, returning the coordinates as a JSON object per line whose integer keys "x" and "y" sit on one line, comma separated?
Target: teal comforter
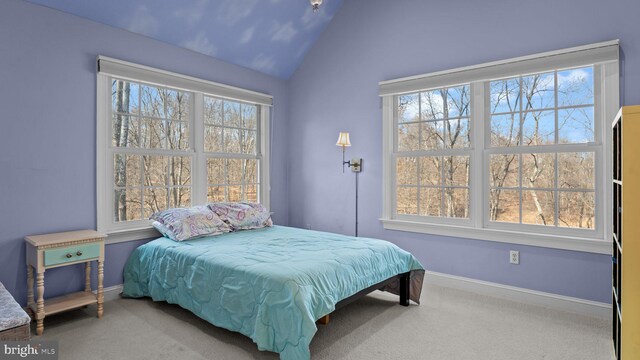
{"x": 269, "y": 284}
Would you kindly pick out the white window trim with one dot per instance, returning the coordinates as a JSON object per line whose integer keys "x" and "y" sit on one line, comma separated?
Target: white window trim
{"x": 605, "y": 58}
{"x": 142, "y": 229}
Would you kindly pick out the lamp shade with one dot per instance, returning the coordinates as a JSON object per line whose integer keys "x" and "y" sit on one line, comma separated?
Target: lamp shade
{"x": 343, "y": 139}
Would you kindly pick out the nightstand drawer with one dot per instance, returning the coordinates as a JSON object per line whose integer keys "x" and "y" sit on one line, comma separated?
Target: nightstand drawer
{"x": 71, "y": 254}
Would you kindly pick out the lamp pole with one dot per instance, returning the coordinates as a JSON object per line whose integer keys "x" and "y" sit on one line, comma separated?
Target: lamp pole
{"x": 357, "y": 203}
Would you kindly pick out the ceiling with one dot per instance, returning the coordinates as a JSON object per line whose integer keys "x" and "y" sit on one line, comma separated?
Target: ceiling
{"x": 270, "y": 36}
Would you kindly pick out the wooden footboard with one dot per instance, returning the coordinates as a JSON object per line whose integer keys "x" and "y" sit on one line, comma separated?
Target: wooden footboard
{"x": 405, "y": 293}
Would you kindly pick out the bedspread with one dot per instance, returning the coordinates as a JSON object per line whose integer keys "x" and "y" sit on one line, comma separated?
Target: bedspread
{"x": 269, "y": 284}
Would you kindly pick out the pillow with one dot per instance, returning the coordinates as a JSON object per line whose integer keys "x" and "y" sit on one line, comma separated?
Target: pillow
{"x": 182, "y": 224}
{"x": 243, "y": 215}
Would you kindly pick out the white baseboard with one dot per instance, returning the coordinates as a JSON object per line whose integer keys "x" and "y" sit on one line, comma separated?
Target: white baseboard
{"x": 111, "y": 292}
{"x": 533, "y": 297}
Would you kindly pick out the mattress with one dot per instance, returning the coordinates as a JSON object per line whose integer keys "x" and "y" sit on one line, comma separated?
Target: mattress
{"x": 269, "y": 284}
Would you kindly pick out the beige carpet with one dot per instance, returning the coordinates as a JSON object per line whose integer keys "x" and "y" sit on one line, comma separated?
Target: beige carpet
{"x": 450, "y": 324}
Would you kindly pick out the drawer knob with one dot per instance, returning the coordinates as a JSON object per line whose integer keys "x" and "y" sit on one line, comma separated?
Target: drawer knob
{"x": 69, "y": 256}
{"x": 79, "y": 253}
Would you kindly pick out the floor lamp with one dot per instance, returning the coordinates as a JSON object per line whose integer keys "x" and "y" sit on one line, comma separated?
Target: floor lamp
{"x": 355, "y": 164}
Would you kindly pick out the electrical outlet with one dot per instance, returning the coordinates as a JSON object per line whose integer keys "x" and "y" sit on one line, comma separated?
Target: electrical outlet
{"x": 308, "y": 226}
{"x": 514, "y": 257}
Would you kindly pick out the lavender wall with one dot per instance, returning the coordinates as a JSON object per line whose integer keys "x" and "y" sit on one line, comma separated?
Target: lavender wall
{"x": 368, "y": 41}
{"x": 47, "y": 141}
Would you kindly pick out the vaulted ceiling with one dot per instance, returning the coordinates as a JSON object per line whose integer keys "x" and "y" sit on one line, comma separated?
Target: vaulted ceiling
{"x": 270, "y": 36}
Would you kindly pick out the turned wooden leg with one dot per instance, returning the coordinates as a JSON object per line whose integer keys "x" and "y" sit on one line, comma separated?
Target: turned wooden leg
{"x": 323, "y": 320}
{"x": 30, "y": 300}
{"x": 87, "y": 276}
{"x": 100, "y": 294}
{"x": 40, "y": 304}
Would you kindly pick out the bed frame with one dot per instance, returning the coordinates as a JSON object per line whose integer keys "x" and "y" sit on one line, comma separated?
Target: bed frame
{"x": 405, "y": 293}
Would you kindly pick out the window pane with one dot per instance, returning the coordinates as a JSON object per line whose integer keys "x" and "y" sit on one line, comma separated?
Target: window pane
{"x": 456, "y": 170}
{"x": 430, "y": 170}
{"x": 155, "y": 170}
{"x": 124, "y": 98}
{"x": 457, "y": 133}
{"x": 215, "y": 194}
{"x": 177, "y": 105}
{"x": 212, "y": 111}
{"x": 249, "y": 143}
{"x": 538, "y": 91}
{"x": 576, "y": 125}
{"x": 178, "y": 135}
{"x": 126, "y": 170}
{"x": 505, "y": 96}
{"x": 213, "y": 139}
{"x": 432, "y": 135}
{"x": 251, "y": 193}
{"x": 504, "y": 206}
{"x": 231, "y": 140}
{"x": 232, "y": 114}
{"x": 408, "y": 137}
{"x": 505, "y": 130}
{"x": 575, "y": 87}
{"x": 155, "y": 199}
{"x": 576, "y": 170}
{"x": 179, "y": 197}
{"x": 504, "y": 170}
{"x": 128, "y": 204}
{"x": 538, "y": 207}
{"x": 152, "y": 103}
{"x": 458, "y": 102}
{"x": 152, "y": 134}
{"x": 430, "y": 201}
{"x": 234, "y": 171}
{"x": 215, "y": 171}
{"x": 456, "y": 202}
{"x": 407, "y": 200}
{"x": 249, "y": 116}
{"x": 235, "y": 193}
{"x": 250, "y": 171}
{"x": 407, "y": 171}
{"x": 408, "y": 108}
{"x": 538, "y": 171}
{"x": 576, "y": 209}
{"x": 239, "y": 172}
{"x": 432, "y": 103}
{"x": 538, "y": 128}
{"x": 125, "y": 131}
{"x": 179, "y": 170}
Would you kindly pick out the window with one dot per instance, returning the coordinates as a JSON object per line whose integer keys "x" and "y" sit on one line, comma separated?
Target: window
{"x": 553, "y": 113}
{"x": 432, "y": 166}
{"x": 150, "y": 149}
{"x": 231, "y": 133}
{"x": 166, "y": 140}
{"x": 510, "y": 151}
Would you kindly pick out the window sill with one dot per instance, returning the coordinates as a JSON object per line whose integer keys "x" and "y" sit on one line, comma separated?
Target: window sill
{"x": 504, "y": 236}
{"x": 120, "y": 236}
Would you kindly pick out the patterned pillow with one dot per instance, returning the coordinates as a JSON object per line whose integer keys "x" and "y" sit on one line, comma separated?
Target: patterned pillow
{"x": 243, "y": 215}
{"x": 189, "y": 223}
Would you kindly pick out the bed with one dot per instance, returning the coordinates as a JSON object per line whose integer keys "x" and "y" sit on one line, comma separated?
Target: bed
{"x": 270, "y": 284}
